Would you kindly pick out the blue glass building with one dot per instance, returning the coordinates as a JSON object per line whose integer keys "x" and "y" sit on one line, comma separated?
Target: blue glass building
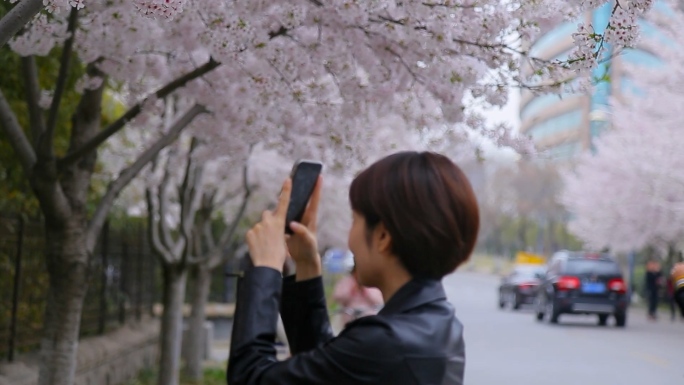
{"x": 562, "y": 126}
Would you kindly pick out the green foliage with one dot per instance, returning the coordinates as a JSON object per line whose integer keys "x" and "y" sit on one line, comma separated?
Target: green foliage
{"x": 516, "y": 233}
{"x": 146, "y": 377}
{"x": 212, "y": 376}
{"x": 34, "y": 286}
{"x": 136, "y": 271}
{"x": 15, "y": 193}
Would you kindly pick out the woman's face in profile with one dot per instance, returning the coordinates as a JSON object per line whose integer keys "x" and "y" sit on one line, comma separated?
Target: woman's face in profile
{"x": 359, "y": 247}
{"x": 367, "y": 259}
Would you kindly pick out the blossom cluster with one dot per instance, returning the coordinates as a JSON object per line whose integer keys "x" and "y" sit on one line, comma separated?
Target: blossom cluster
{"x": 630, "y": 193}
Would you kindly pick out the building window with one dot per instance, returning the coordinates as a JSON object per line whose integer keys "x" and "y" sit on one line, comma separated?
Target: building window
{"x": 641, "y": 58}
{"x": 563, "y": 151}
{"x": 557, "y": 124}
{"x": 552, "y": 37}
{"x": 541, "y": 103}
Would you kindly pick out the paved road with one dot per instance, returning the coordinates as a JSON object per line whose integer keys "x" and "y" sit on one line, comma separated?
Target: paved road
{"x": 512, "y": 348}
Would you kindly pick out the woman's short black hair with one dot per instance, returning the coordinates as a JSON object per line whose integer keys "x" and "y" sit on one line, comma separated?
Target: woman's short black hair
{"x": 427, "y": 205}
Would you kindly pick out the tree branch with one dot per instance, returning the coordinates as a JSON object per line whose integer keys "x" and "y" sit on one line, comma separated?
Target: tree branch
{"x": 449, "y": 5}
{"x": 125, "y": 177}
{"x": 206, "y": 209}
{"x": 229, "y": 197}
{"x": 16, "y": 136}
{"x": 208, "y": 235}
{"x": 167, "y": 237}
{"x": 113, "y": 128}
{"x": 202, "y": 230}
{"x": 184, "y": 190}
{"x": 17, "y": 18}
{"x": 30, "y": 73}
{"x": 153, "y": 230}
{"x": 229, "y": 232}
{"x": 65, "y": 62}
{"x": 189, "y": 192}
{"x": 197, "y": 243}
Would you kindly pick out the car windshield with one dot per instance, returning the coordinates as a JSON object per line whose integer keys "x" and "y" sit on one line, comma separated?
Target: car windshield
{"x": 527, "y": 272}
{"x": 588, "y": 266}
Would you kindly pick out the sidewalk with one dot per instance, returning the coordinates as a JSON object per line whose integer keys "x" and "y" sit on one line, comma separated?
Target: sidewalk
{"x": 638, "y": 318}
{"x": 220, "y": 350}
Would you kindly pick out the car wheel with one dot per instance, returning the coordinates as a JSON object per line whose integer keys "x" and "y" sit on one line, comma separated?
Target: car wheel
{"x": 602, "y": 319}
{"x": 539, "y": 308}
{"x": 620, "y": 320}
{"x": 516, "y": 301}
{"x": 551, "y": 311}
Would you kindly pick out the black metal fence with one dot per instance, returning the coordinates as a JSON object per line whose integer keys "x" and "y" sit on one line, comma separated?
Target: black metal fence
{"x": 123, "y": 282}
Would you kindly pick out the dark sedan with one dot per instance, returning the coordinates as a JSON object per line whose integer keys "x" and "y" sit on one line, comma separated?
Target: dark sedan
{"x": 519, "y": 287}
{"x": 583, "y": 283}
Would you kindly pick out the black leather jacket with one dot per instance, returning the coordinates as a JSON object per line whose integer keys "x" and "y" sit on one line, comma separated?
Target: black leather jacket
{"x": 415, "y": 339}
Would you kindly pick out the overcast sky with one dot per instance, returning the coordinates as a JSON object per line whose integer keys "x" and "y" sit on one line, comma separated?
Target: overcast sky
{"x": 508, "y": 114}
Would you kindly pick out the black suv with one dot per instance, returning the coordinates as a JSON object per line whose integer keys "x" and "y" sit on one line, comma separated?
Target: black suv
{"x": 582, "y": 283}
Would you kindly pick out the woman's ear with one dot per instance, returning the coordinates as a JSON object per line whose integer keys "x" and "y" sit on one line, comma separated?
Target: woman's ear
{"x": 383, "y": 239}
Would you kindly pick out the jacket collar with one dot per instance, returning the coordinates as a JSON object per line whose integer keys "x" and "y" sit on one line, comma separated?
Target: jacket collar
{"x": 414, "y": 293}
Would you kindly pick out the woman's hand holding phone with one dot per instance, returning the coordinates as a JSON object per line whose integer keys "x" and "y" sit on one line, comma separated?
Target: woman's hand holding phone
{"x": 266, "y": 239}
{"x": 302, "y": 244}
{"x": 269, "y": 246}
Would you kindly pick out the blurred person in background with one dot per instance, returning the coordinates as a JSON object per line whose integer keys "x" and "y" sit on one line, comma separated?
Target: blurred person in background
{"x": 653, "y": 283}
{"x": 355, "y": 299}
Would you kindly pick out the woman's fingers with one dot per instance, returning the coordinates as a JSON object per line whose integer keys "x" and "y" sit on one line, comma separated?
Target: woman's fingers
{"x": 311, "y": 213}
{"x": 284, "y": 200}
{"x": 300, "y": 230}
{"x": 266, "y": 240}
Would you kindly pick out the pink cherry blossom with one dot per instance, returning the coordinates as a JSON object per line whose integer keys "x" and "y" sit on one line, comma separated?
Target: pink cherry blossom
{"x": 631, "y": 193}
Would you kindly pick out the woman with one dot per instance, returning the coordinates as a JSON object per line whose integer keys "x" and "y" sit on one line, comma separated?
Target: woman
{"x": 355, "y": 299}
{"x": 415, "y": 220}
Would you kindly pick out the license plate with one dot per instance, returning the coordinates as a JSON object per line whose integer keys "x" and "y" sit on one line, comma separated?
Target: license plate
{"x": 594, "y": 287}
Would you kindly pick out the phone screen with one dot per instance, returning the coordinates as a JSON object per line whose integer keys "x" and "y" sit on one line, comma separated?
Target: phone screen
{"x": 304, "y": 177}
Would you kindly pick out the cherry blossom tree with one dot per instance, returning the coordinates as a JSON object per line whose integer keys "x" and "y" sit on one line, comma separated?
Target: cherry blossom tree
{"x": 629, "y": 195}
{"x": 236, "y": 191}
{"x": 182, "y": 195}
{"x": 191, "y": 191}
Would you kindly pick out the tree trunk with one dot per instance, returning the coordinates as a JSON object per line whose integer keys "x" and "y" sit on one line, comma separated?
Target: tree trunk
{"x": 172, "y": 325}
{"x": 522, "y": 233}
{"x": 67, "y": 262}
{"x": 195, "y": 347}
{"x": 63, "y": 200}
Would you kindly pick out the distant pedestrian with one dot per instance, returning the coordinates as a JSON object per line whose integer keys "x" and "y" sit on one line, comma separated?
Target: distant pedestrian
{"x": 653, "y": 284}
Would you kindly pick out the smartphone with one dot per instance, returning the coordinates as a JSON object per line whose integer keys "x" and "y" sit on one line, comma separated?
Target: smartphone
{"x": 304, "y": 176}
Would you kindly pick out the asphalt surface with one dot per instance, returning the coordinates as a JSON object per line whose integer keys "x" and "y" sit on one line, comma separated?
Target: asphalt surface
{"x": 513, "y": 348}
